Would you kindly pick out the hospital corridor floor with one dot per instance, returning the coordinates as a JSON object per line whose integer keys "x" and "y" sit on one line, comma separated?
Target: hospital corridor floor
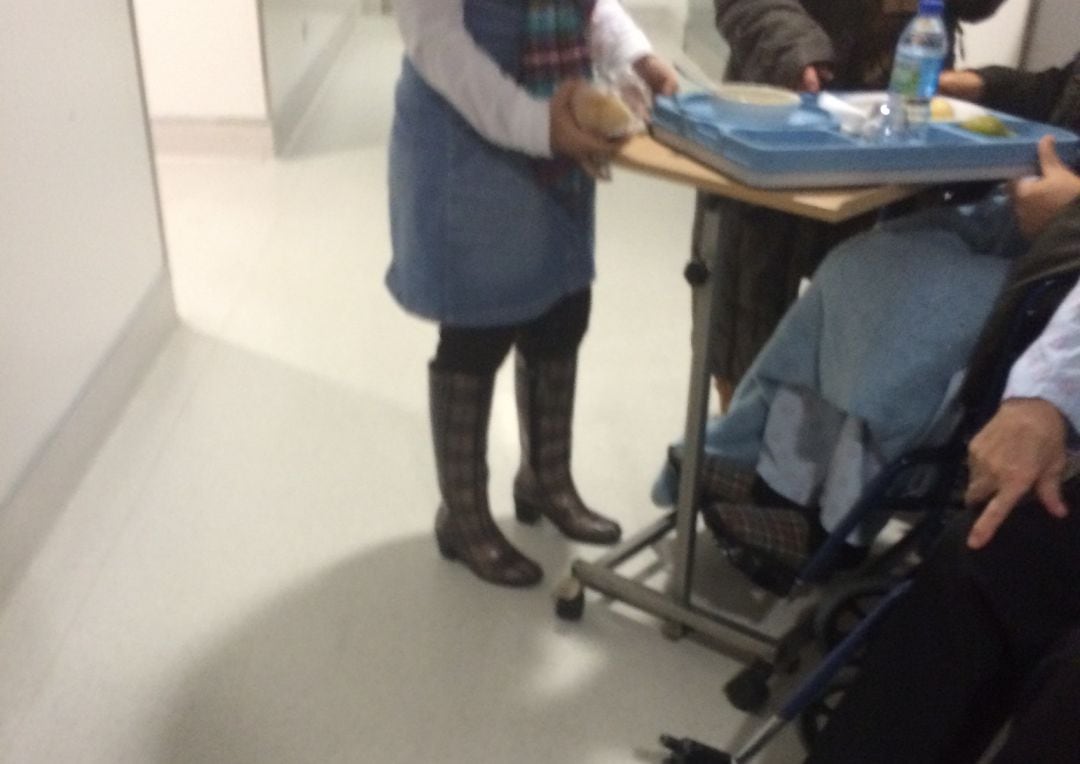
{"x": 247, "y": 571}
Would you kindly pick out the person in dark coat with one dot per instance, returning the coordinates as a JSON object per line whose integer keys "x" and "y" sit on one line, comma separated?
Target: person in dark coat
{"x": 852, "y": 379}
{"x": 763, "y": 255}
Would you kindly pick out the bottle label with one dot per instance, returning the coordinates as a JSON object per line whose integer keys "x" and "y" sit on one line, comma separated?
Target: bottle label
{"x": 915, "y": 77}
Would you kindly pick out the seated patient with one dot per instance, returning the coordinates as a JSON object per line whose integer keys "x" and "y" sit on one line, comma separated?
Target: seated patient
{"x": 866, "y": 364}
{"x": 990, "y": 630}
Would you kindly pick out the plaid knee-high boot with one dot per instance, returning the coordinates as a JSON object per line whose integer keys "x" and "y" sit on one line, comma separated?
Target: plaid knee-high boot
{"x": 464, "y": 528}
{"x": 544, "y": 486}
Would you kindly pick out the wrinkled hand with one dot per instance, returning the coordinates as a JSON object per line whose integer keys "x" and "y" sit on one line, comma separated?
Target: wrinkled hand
{"x": 814, "y": 77}
{"x": 965, "y": 85}
{"x": 658, "y": 75}
{"x": 1021, "y": 449}
{"x": 1037, "y": 201}
{"x": 568, "y": 139}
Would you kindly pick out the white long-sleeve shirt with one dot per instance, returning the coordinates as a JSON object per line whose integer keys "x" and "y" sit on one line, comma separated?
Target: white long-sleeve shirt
{"x": 1050, "y": 367}
{"x": 503, "y": 112}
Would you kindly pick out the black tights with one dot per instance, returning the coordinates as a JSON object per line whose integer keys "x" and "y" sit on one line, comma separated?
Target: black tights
{"x": 556, "y": 333}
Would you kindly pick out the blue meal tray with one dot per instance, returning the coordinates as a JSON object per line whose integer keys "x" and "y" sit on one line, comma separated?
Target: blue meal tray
{"x": 809, "y": 150}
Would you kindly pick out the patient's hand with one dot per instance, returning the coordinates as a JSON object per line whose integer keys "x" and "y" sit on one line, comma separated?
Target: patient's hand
{"x": 965, "y": 85}
{"x": 1021, "y": 449}
{"x": 1039, "y": 200}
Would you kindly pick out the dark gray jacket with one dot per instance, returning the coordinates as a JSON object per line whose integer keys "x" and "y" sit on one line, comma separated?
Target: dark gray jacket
{"x": 763, "y": 254}
{"x": 774, "y": 40}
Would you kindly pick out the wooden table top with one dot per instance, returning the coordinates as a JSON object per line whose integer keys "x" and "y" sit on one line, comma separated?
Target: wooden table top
{"x": 833, "y": 205}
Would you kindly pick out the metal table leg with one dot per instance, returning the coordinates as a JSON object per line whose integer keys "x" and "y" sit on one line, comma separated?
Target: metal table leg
{"x": 675, "y": 606}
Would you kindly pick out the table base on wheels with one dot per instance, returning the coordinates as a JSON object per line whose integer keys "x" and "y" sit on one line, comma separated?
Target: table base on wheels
{"x": 748, "y": 690}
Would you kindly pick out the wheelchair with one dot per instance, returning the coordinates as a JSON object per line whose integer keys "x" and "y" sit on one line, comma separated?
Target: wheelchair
{"x": 844, "y": 619}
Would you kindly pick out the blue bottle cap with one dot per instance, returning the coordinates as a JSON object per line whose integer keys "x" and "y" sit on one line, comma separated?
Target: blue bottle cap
{"x": 931, "y": 7}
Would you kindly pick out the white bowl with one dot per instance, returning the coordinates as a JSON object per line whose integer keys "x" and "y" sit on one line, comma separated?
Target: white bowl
{"x": 760, "y": 104}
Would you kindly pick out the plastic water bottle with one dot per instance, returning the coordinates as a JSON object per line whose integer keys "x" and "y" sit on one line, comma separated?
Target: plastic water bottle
{"x": 920, "y": 54}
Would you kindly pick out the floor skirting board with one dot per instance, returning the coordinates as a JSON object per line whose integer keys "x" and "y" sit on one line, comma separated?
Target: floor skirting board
{"x": 252, "y": 138}
{"x": 40, "y": 495}
{"x": 289, "y": 116}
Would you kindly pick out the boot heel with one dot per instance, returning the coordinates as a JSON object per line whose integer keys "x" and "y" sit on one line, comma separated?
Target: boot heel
{"x": 526, "y": 513}
{"x": 445, "y": 549}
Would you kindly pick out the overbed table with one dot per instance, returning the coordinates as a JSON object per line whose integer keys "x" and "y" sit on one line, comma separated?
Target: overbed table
{"x": 674, "y": 606}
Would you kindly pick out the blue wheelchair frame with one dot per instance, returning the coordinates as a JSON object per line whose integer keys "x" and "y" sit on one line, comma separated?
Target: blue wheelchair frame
{"x": 1039, "y": 301}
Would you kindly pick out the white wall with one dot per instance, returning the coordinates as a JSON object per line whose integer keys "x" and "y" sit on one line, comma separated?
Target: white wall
{"x": 295, "y": 33}
{"x": 1054, "y": 38}
{"x": 202, "y": 59}
{"x": 999, "y": 39}
{"x": 703, "y": 43}
{"x": 80, "y": 242}
{"x": 301, "y": 39}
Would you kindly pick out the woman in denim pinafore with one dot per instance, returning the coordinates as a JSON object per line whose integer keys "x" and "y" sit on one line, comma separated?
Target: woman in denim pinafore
{"x": 497, "y": 247}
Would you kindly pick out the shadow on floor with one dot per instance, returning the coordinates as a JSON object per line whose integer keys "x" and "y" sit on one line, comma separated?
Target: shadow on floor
{"x": 394, "y": 655}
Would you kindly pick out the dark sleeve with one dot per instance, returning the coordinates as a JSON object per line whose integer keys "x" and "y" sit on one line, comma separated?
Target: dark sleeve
{"x": 1055, "y": 250}
{"x": 1031, "y": 95}
{"x": 1060, "y": 242}
{"x": 771, "y": 40}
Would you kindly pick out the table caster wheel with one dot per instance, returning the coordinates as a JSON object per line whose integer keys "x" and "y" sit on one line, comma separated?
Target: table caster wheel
{"x": 570, "y": 599}
{"x": 788, "y": 665}
{"x": 748, "y": 691}
{"x": 696, "y": 273}
{"x": 673, "y": 630}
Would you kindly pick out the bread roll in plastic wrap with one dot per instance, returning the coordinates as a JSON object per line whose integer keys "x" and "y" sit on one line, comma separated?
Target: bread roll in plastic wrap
{"x": 602, "y": 113}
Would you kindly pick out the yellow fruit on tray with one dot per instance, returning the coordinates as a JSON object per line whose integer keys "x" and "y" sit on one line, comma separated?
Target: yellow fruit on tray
{"x": 987, "y": 124}
{"x": 940, "y": 109}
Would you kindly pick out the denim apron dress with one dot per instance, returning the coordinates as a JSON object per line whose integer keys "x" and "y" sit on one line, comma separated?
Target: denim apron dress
{"x": 477, "y": 240}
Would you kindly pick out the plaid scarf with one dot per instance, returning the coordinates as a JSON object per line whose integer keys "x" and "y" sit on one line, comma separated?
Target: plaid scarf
{"x": 556, "y": 48}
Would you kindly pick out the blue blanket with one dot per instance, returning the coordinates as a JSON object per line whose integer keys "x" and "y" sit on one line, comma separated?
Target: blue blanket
{"x": 890, "y": 317}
